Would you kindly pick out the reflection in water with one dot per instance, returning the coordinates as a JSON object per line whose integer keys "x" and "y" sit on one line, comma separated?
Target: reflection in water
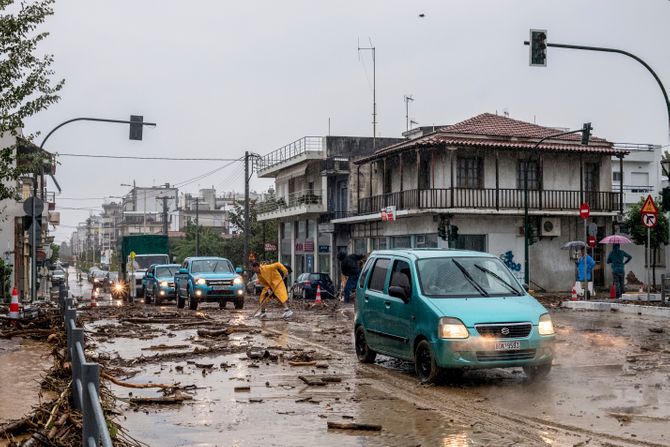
{"x": 456, "y": 440}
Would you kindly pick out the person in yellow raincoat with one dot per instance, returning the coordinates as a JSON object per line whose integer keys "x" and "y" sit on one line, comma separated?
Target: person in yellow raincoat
{"x": 271, "y": 276}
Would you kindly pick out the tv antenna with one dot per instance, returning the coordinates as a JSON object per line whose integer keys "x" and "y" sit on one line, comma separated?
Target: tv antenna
{"x": 407, "y": 99}
{"x": 374, "y": 89}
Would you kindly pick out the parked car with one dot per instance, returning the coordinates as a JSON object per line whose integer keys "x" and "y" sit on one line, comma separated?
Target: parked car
{"x": 159, "y": 283}
{"x": 57, "y": 276}
{"x": 209, "y": 279}
{"x": 306, "y": 284}
{"x": 445, "y": 309}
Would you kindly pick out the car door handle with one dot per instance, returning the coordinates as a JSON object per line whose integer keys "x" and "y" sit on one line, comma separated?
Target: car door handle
{"x": 387, "y": 304}
{"x": 366, "y": 298}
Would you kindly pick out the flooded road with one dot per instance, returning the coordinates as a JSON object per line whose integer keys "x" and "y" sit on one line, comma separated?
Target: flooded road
{"x": 609, "y": 385}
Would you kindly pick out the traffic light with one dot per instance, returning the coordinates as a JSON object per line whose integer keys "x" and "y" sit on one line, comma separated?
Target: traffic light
{"x": 538, "y": 48}
{"x": 136, "y": 127}
{"x": 453, "y": 233}
{"x": 442, "y": 230}
{"x": 532, "y": 234}
{"x": 586, "y": 133}
{"x": 665, "y": 198}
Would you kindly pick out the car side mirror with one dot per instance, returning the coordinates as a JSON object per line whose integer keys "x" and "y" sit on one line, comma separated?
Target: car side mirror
{"x": 183, "y": 271}
{"x": 525, "y": 287}
{"x": 398, "y": 292}
{"x": 239, "y": 270}
{"x": 150, "y": 275}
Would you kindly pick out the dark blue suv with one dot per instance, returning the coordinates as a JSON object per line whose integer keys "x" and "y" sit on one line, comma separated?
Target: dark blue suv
{"x": 209, "y": 279}
{"x": 158, "y": 283}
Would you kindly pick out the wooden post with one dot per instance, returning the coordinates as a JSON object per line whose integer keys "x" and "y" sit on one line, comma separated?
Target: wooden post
{"x": 497, "y": 185}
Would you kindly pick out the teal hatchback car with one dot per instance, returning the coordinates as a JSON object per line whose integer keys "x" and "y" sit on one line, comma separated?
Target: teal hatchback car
{"x": 449, "y": 309}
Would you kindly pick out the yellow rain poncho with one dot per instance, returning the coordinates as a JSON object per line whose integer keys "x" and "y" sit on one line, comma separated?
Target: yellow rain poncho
{"x": 270, "y": 277}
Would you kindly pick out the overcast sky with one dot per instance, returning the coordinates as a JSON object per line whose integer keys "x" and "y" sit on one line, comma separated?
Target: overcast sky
{"x": 221, "y": 77}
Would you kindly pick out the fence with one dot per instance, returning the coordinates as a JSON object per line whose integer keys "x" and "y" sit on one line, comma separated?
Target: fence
{"x": 85, "y": 378}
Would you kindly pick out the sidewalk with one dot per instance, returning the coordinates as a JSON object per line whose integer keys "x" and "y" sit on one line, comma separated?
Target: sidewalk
{"x": 613, "y": 306}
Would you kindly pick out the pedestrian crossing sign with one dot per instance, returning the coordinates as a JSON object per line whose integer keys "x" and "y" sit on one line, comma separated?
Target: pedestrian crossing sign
{"x": 649, "y": 206}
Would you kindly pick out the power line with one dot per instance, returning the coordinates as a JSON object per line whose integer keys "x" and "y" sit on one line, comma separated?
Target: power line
{"x": 137, "y": 157}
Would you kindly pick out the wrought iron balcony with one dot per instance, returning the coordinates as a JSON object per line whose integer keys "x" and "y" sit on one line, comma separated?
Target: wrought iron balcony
{"x": 306, "y": 148}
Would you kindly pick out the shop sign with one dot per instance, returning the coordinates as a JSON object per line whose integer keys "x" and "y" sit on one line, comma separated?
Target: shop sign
{"x": 388, "y": 214}
{"x": 324, "y": 248}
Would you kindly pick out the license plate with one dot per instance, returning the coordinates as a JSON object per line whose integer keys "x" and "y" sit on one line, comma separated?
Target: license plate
{"x": 218, "y": 287}
{"x": 508, "y": 345}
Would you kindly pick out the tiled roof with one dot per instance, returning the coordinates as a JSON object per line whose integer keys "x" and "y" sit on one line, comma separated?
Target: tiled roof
{"x": 499, "y": 132}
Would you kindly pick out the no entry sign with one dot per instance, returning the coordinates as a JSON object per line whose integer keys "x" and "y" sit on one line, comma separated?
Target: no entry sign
{"x": 591, "y": 242}
{"x": 584, "y": 210}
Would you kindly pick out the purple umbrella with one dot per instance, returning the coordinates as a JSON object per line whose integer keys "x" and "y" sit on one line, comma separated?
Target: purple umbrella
{"x": 616, "y": 239}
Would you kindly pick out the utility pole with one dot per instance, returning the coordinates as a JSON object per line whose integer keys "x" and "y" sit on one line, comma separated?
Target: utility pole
{"x": 407, "y": 99}
{"x": 245, "y": 255}
{"x": 165, "y": 215}
{"x": 374, "y": 92}
{"x": 197, "y": 226}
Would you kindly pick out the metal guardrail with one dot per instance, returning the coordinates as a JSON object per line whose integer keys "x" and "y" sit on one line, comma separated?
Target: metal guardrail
{"x": 85, "y": 378}
{"x": 298, "y": 147}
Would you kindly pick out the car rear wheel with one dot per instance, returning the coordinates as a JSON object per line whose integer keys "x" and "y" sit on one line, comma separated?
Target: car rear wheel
{"x": 147, "y": 297}
{"x": 192, "y": 301}
{"x": 363, "y": 351}
{"x": 537, "y": 372}
{"x": 424, "y": 363}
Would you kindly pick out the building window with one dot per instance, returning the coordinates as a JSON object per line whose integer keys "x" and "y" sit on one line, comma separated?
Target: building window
{"x": 475, "y": 242}
{"x": 470, "y": 172}
{"x": 379, "y": 243}
{"x": 401, "y": 242}
{"x": 360, "y": 246}
{"x": 425, "y": 240}
{"x": 533, "y": 174}
{"x": 591, "y": 176}
{"x": 616, "y": 176}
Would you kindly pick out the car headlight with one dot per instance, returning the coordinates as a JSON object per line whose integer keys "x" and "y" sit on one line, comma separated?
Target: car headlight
{"x": 96, "y": 280}
{"x": 118, "y": 287}
{"x": 164, "y": 284}
{"x": 201, "y": 281}
{"x": 546, "y": 327}
{"x": 452, "y": 328}
{"x": 238, "y": 280}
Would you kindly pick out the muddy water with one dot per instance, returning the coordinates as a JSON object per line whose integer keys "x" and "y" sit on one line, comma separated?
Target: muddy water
{"x": 594, "y": 382}
{"x": 22, "y": 366}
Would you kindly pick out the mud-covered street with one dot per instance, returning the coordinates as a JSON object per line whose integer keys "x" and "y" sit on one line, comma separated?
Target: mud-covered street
{"x": 225, "y": 378}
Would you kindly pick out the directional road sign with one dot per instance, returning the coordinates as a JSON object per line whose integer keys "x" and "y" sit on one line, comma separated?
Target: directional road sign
{"x": 649, "y": 220}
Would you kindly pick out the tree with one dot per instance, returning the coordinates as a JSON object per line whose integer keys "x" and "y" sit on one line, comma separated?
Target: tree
{"x": 210, "y": 243}
{"x": 260, "y": 233}
{"x": 638, "y": 232}
{"x": 55, "y": 252}
{"x": 25, "y": 79}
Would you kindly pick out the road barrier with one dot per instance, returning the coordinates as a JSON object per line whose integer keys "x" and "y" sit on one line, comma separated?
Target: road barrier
{"x": 85, "y": 378}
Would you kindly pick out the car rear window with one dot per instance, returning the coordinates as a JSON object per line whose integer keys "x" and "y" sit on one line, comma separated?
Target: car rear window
{"x": 378, "y": 276}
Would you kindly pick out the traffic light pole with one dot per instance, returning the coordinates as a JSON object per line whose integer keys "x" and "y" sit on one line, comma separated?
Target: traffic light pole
{"x": 526, "y": 264}
{"x": 625, "y": 53}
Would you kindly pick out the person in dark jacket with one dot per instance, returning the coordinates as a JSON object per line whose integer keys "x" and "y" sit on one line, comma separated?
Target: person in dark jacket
{"x": 350, "y": 269}
{"x": 618, "y": 258}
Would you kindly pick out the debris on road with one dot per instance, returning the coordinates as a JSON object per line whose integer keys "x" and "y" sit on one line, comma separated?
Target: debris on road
{"x": 353, "y": 426}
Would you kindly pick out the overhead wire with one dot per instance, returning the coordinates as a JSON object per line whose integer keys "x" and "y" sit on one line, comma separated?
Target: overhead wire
{"x": 139, "y": 157}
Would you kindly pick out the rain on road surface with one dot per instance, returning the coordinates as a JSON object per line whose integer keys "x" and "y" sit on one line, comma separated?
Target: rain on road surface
{"x": 609, "y": 385}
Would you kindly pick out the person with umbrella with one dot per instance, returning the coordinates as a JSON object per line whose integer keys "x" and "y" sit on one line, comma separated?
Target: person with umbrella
{"x": 585, "y": 265}
{"x": 618, "y": 258}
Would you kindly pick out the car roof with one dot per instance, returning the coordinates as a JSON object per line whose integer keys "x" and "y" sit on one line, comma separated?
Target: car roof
{"x": 204, "y": 258}
{"x": 166, "y": 265}
{"x": 427, "y": 253}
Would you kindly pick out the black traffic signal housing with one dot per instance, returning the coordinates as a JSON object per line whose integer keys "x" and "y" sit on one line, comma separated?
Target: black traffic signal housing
{"x": 533, "y": 235}
{"x": 586, "y": 133}
{"x": 453, "y": 233}
{"x": 538, "y": 48}
{"x": 665, "y": 198}
{"x": 442, "y": 230}
{"x": 136, "y": 125}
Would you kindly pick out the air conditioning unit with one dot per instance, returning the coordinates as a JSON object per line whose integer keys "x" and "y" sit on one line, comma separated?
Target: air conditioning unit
{"x": 550, "y": 227}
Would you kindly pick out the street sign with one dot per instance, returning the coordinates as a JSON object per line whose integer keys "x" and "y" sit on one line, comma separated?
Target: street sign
{"x": 388, "y": 214}
{"x": 270, "y": 246}
{"x": 649, "y": 220}
{"x": 649, "y": 206}
{"x": 584, "y": 210}
{"x": 28, "y": 206}
{"x": 591, "y": 241}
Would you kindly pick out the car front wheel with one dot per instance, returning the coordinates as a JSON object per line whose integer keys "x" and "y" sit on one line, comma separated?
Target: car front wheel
{"x": 425, "y": 364}
{"x": 363, "y": 351}
{"x": 192, "y": 301}
{"x": 239, "y": 303}
{"x": 537, "y": 372}
{"x": 181, "y": 302}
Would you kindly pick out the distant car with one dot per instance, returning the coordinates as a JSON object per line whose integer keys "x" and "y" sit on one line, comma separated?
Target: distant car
{"x": 209, "y": 279}
{"x": 253, "y": 286}
{"x": 57, "y": 276}
{"x": 99, "y": 278}
{"x": 306, "y": 284}
{"x": 159, "y": 283}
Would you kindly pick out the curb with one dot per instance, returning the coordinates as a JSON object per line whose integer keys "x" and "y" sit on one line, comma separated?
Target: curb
{"x": 651, "y": 311}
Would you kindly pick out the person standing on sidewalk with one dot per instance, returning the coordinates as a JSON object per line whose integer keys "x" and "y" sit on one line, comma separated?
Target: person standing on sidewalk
{"x": 585, "y": 265}
{"x": 271, "y": 276}
{"x": 618, "y": 258}
{"x": 350, "y": 269}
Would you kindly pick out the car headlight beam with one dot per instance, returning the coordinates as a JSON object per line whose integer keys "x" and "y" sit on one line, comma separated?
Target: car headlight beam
{"x": 164, "y": 284}
{"x": 452, "y": 328}
{"x": 238, "y": 280}
{"x": 545, "y": 327}
{"x": 201, "y": 281}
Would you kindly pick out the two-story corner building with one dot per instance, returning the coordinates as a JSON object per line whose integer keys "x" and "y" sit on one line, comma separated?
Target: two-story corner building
{"x": 473, "y": 173}
{"x": 312, "y": 187}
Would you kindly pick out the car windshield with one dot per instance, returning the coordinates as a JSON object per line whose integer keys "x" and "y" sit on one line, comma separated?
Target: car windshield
{"x": 144, "y": 262}
{"x": 212, "y": 266}
{"x": 466, "y": 277}
{"x": 58, "y": 272}
{"x": 319, "y": 277}
{"x": 166, "y": 271}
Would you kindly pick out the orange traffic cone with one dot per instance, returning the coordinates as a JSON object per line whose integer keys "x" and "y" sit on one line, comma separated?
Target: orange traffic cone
{"x": 317, "y": 298}
{"x": 94, "y": 297}
{"x": 613, "y": 292}
{"x": 14, "y": 305}
{"x": 573, "y": 295}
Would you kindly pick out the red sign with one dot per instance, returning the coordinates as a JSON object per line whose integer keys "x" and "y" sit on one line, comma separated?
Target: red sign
{"x": 649, "y": 220}
{"x": 309, "y": 245}
{"x": 584, "y": 210}
{"x": 591, "y": 242}
{"x": 649, "y": 206}
{"x": 270, "y": 246}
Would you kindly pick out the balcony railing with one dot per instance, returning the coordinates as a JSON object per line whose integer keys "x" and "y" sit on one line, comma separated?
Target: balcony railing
{"x": 291, "y": 150}
{"x": 294, "y": 199}
{"x": 489, "y": 199}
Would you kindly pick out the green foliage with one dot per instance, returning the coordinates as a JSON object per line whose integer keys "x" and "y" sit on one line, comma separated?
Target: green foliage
{"x": 210, "y": 243}
{"x": 55, "y": 252}
{"x": 25, "y": 78}
{"x": 638, "y": 232}
{"x": 5, "y": 279}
